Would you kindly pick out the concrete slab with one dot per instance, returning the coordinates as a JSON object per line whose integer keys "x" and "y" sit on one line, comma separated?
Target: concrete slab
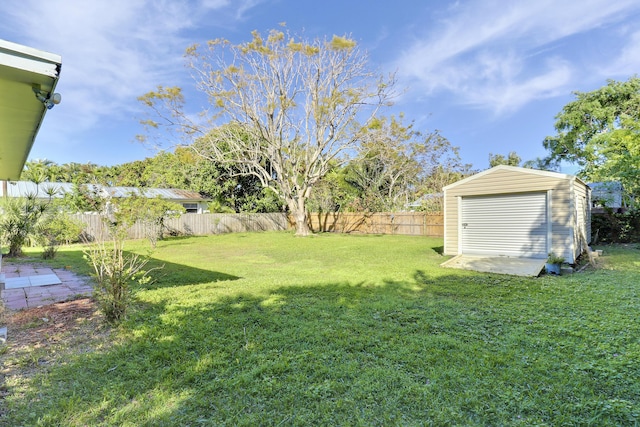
{"x": 16, "y": 282}
{"x": 44, "y": 280}
{"x": 28, "y": 281}
{"x": 530, "y": 267}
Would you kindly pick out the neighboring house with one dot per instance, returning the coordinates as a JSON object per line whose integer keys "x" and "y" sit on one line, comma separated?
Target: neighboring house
{"x": 190, "y": 200}
{"x": 517, "y": 212}
{"x": 607, "y": 194}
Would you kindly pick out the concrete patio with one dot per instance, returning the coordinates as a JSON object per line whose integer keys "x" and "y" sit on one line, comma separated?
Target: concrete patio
{"x": 28, "y": 286}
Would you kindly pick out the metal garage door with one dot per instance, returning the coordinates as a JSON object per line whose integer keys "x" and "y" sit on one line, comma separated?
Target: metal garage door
{"x": 510, "y": 224}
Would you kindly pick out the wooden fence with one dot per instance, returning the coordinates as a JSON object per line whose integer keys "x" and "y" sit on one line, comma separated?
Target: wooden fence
{"x": 197, "y": 224}
{"x": 409, "y": 223}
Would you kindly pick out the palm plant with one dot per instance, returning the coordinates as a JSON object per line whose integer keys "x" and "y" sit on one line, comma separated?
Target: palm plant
{"x": 19, "y": 220}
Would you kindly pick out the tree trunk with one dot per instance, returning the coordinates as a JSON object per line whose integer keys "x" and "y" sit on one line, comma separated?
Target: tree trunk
{"x": 15, "y": 249}
{"x": 299, "y": 213}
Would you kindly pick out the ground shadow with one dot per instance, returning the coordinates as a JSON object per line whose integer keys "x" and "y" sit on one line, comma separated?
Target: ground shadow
{"x": 164, "y": 274}
{"x": 325, "y": 354}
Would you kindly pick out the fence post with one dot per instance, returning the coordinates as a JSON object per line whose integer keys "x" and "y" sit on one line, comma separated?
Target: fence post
{"x": 424, "y": 223}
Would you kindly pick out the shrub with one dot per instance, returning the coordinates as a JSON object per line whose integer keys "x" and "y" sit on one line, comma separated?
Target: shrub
{"x": 150, "y": 213}
{"x": 19, "y": 220}
{"x": 55, "y": 229}
{"x": 114, "y": 273}
{"x": 555, "y": 259}
{"x": 616, "y": 227}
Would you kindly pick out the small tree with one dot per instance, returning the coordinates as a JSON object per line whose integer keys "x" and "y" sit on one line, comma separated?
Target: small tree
{"x": 291, "y": 107}
{"x": 151, "y": 213}
{"x": 84, "y": 198}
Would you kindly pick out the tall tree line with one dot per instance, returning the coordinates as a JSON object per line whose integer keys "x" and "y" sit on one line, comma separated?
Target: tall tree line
{"x": 398, "y": 165}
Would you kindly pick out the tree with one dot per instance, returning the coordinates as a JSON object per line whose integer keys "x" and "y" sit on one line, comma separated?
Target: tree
{"x": 333, "y": 192}
{"x": 600, "y": 132}
{"x": 77, "y": 173}
{"x": 394, "y": 161}
{"x": 396, "y": 165}
{"x": 387, "y": 169}
{"x": 290, "y": 107}
{"x": 224, "y": 183}
{"x": 38, "y": 171}
{"x": 84, "y": 198}
{"x": 150, "y": 213}
{"x": 512, "y": 159}
{"x": 443, "y": 166}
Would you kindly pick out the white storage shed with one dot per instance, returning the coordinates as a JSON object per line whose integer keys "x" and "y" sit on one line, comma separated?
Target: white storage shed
{"x": 517, "y": 212}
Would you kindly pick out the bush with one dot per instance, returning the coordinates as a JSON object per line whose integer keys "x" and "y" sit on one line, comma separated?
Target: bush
{"x": 3, "y": 313}
{"x": 616, "y": 227}
{"x": 55, "y": 229}
{"x": 114, "y": 273}
{"x": 555, "y": 259}
{"x": 150, "y": 213}
{"x": 19, "y": 220}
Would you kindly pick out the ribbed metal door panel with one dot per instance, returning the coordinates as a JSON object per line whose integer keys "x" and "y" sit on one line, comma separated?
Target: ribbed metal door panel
{"x": 510, "y": 224}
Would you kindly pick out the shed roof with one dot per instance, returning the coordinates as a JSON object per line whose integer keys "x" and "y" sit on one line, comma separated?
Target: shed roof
{"x": 549, "y": 174}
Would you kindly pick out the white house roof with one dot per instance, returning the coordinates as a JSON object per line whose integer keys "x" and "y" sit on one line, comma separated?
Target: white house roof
{"x": 417, "y": 203}
{"x": 516, "y": 169}
{"x": 25, "y": 74}
{"x": 27, "y": 188}
{"x": 164, "y": 193}
{"x": 59, "y": 189}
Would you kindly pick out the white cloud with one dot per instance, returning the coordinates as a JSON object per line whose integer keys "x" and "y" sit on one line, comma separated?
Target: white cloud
{"x": 112, "y": 50}
{"x": 627, "y": 60}
{"x": 511, "y": 94}
{"x": 500, "y": 56}
{"x": 215, "y": 4}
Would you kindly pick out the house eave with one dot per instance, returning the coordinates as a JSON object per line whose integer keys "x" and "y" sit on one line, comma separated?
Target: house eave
{"x": 25, "y": 73}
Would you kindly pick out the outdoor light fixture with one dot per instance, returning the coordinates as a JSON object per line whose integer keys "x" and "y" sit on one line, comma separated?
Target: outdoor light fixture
{"x": 48, "y": 101}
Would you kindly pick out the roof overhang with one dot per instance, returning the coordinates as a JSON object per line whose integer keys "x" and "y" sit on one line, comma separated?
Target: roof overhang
{"x": 28, "y": 78}
{"x": 550, "y": 174}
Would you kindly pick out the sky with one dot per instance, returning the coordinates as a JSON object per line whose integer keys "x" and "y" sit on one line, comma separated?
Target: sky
{"x": 489, "y": 75}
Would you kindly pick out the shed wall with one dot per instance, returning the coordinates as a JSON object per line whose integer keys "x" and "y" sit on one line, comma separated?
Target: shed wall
{"x": 582, "y": 215}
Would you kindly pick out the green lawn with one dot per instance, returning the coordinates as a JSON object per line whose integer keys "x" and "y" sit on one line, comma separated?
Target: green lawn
{"x": 269, "y": 329}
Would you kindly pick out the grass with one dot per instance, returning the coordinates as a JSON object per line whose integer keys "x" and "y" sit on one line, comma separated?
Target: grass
{"x": 269, "y": 329}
